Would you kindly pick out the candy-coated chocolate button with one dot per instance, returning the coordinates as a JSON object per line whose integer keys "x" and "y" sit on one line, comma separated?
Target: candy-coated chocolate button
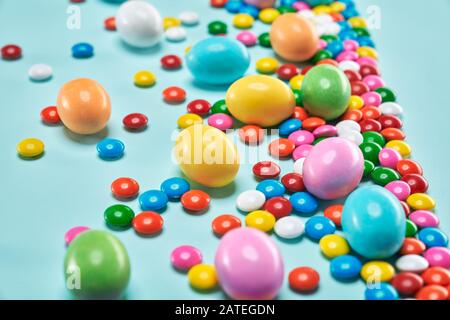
{"x": 251, "y": 134}
{"x": 289, "y": 227}
{"x": 304, "y": 279}
{"x": 278, "y": 206}
{"x": 333, "y": 245}
{"x": 148, "y": 223}
{"x": 199, "y": 106}
{"x": 224, "y": 223}
{"x": 250, "y": 200}
{"x": 153, "y": 200}
{"x": 175, "y": 187}
{"x": 293, "y": 182}
{"x": 334, "y": 213}
{"x": 49, "y": 115}
{"x": 345, "y": 267}
{"x": 119, "y": 216}
{"x": 30, "y": 148}
{"x": 185, "y": 257}
{"x": 203, "y": 277}
{"x": 110, "y": 149}
{"x": 174, "y": 95}
{"x": 377, "y": 271}
{"x": 421, "y": 201}
{"x": 266, "y": 170}
{"x": 124, "y": 188}
{"x": 261, "y": 220}
{"x": 135, "y": 121}
{"x": 412, "y": 246}
{"x": 171, "y": 62}
{"x": 271, "y": 188}
{"x": 407, "y": 283}
{"x": 195, "y": 200}
{"x": 11, "y": 52}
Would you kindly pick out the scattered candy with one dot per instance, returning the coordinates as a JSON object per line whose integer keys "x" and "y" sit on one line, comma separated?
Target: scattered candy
{"x": 110, "y": 24}
{"x": 304, "y": 279}
{"x": 175, "y": 34}
{"x": 49, "y": 115}
{"x": 153, "y": 200}
{"x": 271, "y": 188}
{"x": 195, "y": 200}
{"x": 30, "y": 148}
{"x": 220, "y": 121}
{"x": 174, "y": 95}
{"x": 189, "y": 18}
{"x": 175, "y": 187}
{"x": 148, "y": 223}
{"x": 144, "y": 79}
{"x": 82, "y": 50}
{"x": 318, "y": 227}
{"x": 261, "y": 220}
{"x": 333, "y": 246}
{"x": 171, "y": 62}
{"x": 124, "y": 188}
{"x": 251, "y": 134}
{"x": 110, "y": 149}
{"x": 345, "y": 267}
{"x": 289, "y": 227}
{"x": 224, "y": 223}
{"x": 72, "y": 233}
{"x": 382, "y": 291}
{"x": 119, "y": 216}
{"x": 250, "y": 200}
{"x": 185, "y": 257}
{"x": 11, "y": 52}
{"x": 266, "y": 170}
{"x": 40, "y": 72}
{"x": 407, "y": 283}
{"x": 202, "y": 277}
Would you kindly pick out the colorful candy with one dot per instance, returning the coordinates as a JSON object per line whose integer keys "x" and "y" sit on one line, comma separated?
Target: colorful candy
{"x": 175, "y": 187}
{"x": 345, "y": 267}
{"x": 195, "y": 200}
{"x": 203, "y": 277}
{"x": 135, "y": 121}
{"x": 318, "y": 227}
{"x": 174, "y": 94}
{"x": 148, "y": 223}
{"x": 271, "y": 188}
{"x": 153, "y": 200}
{"x": 250, "y": 200}
{"x": 224, "y": 223}
{"x": 185, "y": 257}
{"x": 11, "y": 52}
{"x": 171, "y": 62}
{"x": 82, "y": 50}
{"x": 144, "y": 79}
{"x": 261, "y": 220}
{"x": 333, "y": 245}
{"x": 304, "y": 279}
{"x": 110, "y": 149}
{"x": 40, "y": 72}
{"x": 377, "y": 271}
{"x": 124, "y": 188}
{"x": 30, "y": 148}
{"x": 289, "y": 227}
{"x": 119, "y": 216}
{"x": 72, "y": 233}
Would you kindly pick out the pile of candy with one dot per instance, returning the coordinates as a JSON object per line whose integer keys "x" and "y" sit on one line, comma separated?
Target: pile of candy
{"x": 336, "y": 119}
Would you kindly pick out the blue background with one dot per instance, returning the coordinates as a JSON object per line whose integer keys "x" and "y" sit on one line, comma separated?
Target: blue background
{"x": 69, "y": 186}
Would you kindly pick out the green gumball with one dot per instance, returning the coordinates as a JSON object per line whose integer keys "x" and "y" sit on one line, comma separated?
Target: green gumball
{"x": 326, "y": 92}
{"x": 96, "y": 266}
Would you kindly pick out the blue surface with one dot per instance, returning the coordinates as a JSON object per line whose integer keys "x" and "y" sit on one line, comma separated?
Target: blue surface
{"x": 70, "y": 185}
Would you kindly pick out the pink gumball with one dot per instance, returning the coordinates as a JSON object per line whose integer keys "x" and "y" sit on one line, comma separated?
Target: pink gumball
{"x": 389, "y": 158}
{"x": 185, "y": 257}
{"x": 247, "y": 38}
{"x": 333, "y": 168}
{"x": 72, "y": 233}
{"x": 260, "y": 3}
{"x": 249, "y": 265}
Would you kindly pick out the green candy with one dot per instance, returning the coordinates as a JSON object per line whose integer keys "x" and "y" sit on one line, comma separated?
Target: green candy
{"x": 370, "y": 151}
{"x": 326, "y": 92}
{"x": 96, "y": 266}
{"x": 373, "y": 136}
{"x": 387, "y": 95}
{"x": 322, "y": 55}
{"x": 382, "y": 176}
{"x": 362, "y": 32}
{"x": 285, "y": 9}
{"x": 317, "y": 140}
{"x": 119, "y": 216}
{"x": 220, "y": 107}
{"x": 264, "y": 40}
{"x": 217, "y": 27}
{"x": 329, "y": 38}
{"x": 411, "y": 228}
{"x": 298, "y": 95}
{"x": 368, "y": 168}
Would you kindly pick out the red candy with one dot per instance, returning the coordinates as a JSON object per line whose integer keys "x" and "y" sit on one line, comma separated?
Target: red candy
{"x": 390, "y": 121}
{"x": 393, "y": 134}
{"x": 300, "y": 114}
{"x": 135, "y": 121}
{"x": 266, "y": 170}
{"x": 251, "y": 134}
{"x": 328, "y": 61}
{"x": 412, "y": 246}
{"x": 224, "y": 223}
{"x": 171, "y": 62}
{"x": 305, "y": 70}
{"x": 11, "y": 52}
{"x": 436, "y": 275}
{"x": 281, "y": 148}
{"x": 417, "y": 183}
{"x": 293, "y": 182}
{"x": 371, "y": 112}
{"x": 353, "y": 114}
{"x": 50, "y": 115}
{"x": 287, "y": 71}
{"x": 110, "y": 23}
{"x": 218, "y": 3}
{"x": 407, "y": 283}
{"x": 148, "y": 223}
{"x": 174, "y": 94}
{"x": 405, "y": 207}
{"x": 369, "y": 70}
{"x": 195, "y": 200}
{"x": 334, "y": 213}
{"x": 199, "y": 106}
{"x": 370, "y": 125}
{"x": 353, "y": 75}
{"x": 408, "y": 166}
{"x": 359, "y": 88}
{"x": 432, "y": 292}
{"x": 124, "y": 188}
{"x": 312, "y": 123}
{"x": 278, "y": 206}
{"x": 304, "y": 279}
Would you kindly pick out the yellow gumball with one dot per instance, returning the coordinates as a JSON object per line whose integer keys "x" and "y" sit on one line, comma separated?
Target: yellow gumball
{"x": 421, "y": 201}
{"x": 367, "y": 52}
{"x": 267, "y": 65}
{"x": 207, "y": 156}
{"x": 243, "y": 21}
{"x": 260, "y": 100}
{"x": 322, "y": 9}
{"x": 356, "y": 102}
{"x": 203, "y": 277}
{"x": 377, "y": 271}
{"x": 268, "y": 15}
{"x": 189, "y": 119}
{"x": 333, "y": 245}
{"x": 357, "y": 22}
{"x": 144, "y": 79}
{"x": 30, "y": 148}
{"x": 296, "y": 81}
{"x": 170, "y": 22}
{"x": 337, "y": 7}
{"x": 261, "y": 220}
{"x": 401, "y": 146}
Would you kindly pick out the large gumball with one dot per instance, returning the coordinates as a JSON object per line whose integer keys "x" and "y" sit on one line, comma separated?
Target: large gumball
{"x": 374, "y": 222}
{"x": 96, "y": 266}
{"x": 326, "y": 92}
{"x": 218, "y": 60}
{"x": 249, "y": 265}
{"x": 294, "y": 38}
{"x": 333, "y": 168}
{"x": 260, "y": 100}
{"x": 139, "y": 24}
{"x": 260, "y": 3}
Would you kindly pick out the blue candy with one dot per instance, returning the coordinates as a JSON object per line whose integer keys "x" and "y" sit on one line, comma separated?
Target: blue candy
{"x": 175, "y": 187}
{"x": 366, "y": 42}
{"x": 303, "y": 202}
{"x": 433, "y": 237}
{"x": 271, "y": 188}
{"x": 251, "y": 10}
{"x": 153, "y": 200}
{"x": 287, "y": 3}
{"x": 289, "y": 126}
{"x": 234, "y": 6}
{"x": 110, "y": 149}
{"x": 335, "y": 47}
{"x": 348, "y": 35}
{"x": 381, "y": 291}
{"x": 345, "y": 267}
{"x": 318, "y": 227}
{"x": 82, "y": 50}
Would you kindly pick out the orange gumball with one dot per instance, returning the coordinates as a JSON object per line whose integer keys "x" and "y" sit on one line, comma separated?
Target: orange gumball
{"x": 84, "y": 106}
{"x": 294, "y": 38}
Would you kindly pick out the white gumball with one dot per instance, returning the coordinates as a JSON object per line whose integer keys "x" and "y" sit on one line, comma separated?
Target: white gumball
{"x": 139, "y": 24}
{"x": 289, "y": 227}
{"x": 40, "y": 72}
{"x": 250, "y": 200}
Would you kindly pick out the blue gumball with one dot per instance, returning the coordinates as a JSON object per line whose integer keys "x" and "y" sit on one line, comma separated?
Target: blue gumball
{"x": 175, "y": 187}
{"x": 218, "y": 60}
{"x": 345, "y": 267}
{"x": 374, "y": 222}
{"x": 318, "y": 227}
{"x": 381, "y": 291}
{"x": 153, "y": 200}
{"x": 433, "y": 237}
{"x": 271, "y": 188}
{"x": 303, "y": 202}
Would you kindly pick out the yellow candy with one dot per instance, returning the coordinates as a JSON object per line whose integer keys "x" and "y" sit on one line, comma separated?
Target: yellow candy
{"x": 377, "y": 271}
{"x": 144, "y": 79}
{"x": 322, "y": 9}
{"x": 260, "y": 219}
{"x": 401, "y": 146}
{"x": 186, "y": 51}
{"x": 356, "y": 102}
{"x": 189, "y": 119}
{"x": 268, "y": 15}
{"x": 421, "y": 201}
{"x": 243, "y": 21}
{"x": 207, "y": 156}
{"x": 337, "y": 7}
{"x": 202, "y": 277}
{"x": 367, "y": 52}
{"x": 357, "y": 22}
{"x": 170, "y": 22}
{"x": 30, "y": 148}
{"x": 296, "y": 81}
{"x": 333, "y": 245}
{"x": 267, "y": 65}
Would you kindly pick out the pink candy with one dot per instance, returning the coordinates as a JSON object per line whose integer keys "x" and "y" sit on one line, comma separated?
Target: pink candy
{"x": 300, "y": 137}
{"x": 220, "y": 121}
{"x": 322, "y": 44}
{"x": 72, "y": 233}
{"x": 301, "y": 151}
{"x": 438, "y": 257}
{"x": 367, "y": 60}
{"x": 424, "y": 219}
{"x": 389, "y": 157}
{"x": 347, "y": 56}
{"x": 351, "y": 45}
{"x": 185, "y": 257}
{"x": 372, "y": 99}
{"x": 247, "y": 38}
{"x": 325, "y": 130}
{"x": 300, "y": 6}
{"x": 374, "y": 82}
{"x": 400, "y": 189}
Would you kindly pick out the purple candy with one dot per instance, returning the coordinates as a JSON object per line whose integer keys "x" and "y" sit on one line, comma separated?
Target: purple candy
{"x": 389, "y": 157}
{"x": 424, "y": 219}
{"x": 301, "y": 137}
{"x": 325, "y": 130}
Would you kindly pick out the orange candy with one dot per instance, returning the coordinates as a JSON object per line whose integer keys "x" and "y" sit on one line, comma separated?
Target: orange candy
{"x": 281, "y": 148}
{"x": 393, "y": 134}
{"x": 84, "y": 106}
{"x": 352, "y": 114}
{"x": 334, "y": 213}
{"x": 300, "y": 113}
{"x": 312, "y": 123}
{"x": 251, "y": 134}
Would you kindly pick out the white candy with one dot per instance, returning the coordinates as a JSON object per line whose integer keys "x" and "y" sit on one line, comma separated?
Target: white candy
{"x": 347, "y": 125}
{"x": 391, "y": 108}
{"x": 322, "y": 19}
{"x": 139, "y": 24}
{"x": 321, "y": 29}
{"x": 307, "y": 14}
{"x": 289, "y": 227}
{"x": 189, "y": 18}
{"x": 412, "y": 263}
{"x": 333, "y": 28}
{"x": 175, "y": 34}
{"x": 250, "y": 200}
{"x": 298, "y": 165}
{"x": 349, "y": 65}
{"x": 40, "y": 72}
{"x": 352, "y": 135}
